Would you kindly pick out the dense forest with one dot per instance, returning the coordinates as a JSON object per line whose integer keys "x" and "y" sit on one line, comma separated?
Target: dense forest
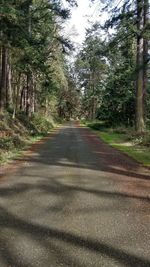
{"x": 114, "y": 70}
{"x": 34, "y": 73}
{"x": 110, "y": 79}
{"x": 74, "y": 133}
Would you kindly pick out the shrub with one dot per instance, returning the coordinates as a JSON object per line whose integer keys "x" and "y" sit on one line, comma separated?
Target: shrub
{"x": 6, "y": 143}
{"x": 42, "y": 124}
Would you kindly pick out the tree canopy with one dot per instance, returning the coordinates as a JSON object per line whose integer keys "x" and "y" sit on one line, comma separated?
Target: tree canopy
{"x": 32, "y": 53}
{"x": 110, "y": 76}
{"x": 113, "y": 71}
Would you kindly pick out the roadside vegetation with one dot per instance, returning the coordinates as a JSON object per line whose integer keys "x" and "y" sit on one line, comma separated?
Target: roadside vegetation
{"x": 113, "y": 69}
{"x": 124, "y": 139}
{"x": 19, "y": 133}
{"x": 36, "y": 86}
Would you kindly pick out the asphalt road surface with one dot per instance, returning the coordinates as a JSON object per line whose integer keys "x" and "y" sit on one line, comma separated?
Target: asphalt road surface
{"x": 76, "y": 202}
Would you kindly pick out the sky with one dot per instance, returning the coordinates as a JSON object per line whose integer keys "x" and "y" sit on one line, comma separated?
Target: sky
{"x": 75, "y": 28}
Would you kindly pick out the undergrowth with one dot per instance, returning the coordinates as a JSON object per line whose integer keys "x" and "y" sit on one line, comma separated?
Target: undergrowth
{"x": 16, "y": 134}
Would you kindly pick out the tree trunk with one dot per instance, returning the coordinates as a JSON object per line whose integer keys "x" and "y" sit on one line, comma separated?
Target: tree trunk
{"x": 32, "y": 93}
{"x": 29, "y": 74}
{"x": 140, "y": 124}
{"x": 28, "y": 95}
{"x": 18, "y": 93}
{"x": 9, "y": 97}
{"x": 23, "y": 98}
{"x": 3, "y": 77}
{"x": 145, "y": 55}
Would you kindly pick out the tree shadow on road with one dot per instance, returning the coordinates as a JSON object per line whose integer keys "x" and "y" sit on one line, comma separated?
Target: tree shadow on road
{"x": 79, "y": 153}
{"x": 48, "y": 238}
{"x": 80, "y": 150}
{"x": 92, "y": 168}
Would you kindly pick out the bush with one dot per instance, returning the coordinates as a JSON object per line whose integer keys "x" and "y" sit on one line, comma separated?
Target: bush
{"x": 121, "y": 130}
{"x": 6, "y": 143}
{"x": 146, "y": 140}
{"x": 11, "y": 142}
{"x": 101, "y": 125}
{"x": 18, "y": 142}
{"x": 28, "y": 124}
{"x": 42, "y": 124}
{"x": 16, "y": 133}
{"x": 37, "y": 124}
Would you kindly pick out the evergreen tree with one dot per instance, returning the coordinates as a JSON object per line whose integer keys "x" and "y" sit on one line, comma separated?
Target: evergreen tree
{"x": 31, "y": 44}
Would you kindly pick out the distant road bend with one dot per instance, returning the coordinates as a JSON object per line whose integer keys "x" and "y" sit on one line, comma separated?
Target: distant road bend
{"x": 75, "y": 202}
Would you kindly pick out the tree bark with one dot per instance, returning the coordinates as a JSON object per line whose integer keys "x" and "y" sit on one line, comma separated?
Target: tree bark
{"x": 140, "y": 124}
{"x": 28, "y": 95}
{"x": 145, "y": 54}
{"x": 9, "y": 100}
{"x": 3, "y": 81}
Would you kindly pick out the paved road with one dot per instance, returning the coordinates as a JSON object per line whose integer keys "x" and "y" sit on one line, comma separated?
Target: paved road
{"x": 75, "y": 203}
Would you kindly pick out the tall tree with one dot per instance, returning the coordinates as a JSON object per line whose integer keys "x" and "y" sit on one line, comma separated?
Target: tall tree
{"x": 91, "y": 69}
{"x": 30, "y": 42}
{"x": 134, "y": 16}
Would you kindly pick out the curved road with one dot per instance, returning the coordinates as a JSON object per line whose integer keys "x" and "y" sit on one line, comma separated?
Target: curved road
{"x": 75, "y": 202}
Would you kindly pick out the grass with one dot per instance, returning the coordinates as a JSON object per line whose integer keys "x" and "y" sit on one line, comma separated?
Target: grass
{"x": 124, "y": 140}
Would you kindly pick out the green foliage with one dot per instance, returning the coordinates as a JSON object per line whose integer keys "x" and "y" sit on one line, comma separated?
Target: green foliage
{"x": 42, "y": 124}
{"x": 38, "y": 124}
{"x": 106, "y": 70}
{"x": 11, "y": 142}
{"x": 31, "y": 33}
{"x": 91, "y": 71}
{"x": 17, "y": 133}
{"x": 115, "y": 94}
{"x": 98, "y": 125}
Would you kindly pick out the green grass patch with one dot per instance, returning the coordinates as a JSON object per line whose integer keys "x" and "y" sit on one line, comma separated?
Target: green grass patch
{"x": 125, "y": 140}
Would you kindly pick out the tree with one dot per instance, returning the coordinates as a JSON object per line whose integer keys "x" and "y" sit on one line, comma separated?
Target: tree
{"x": 133, "y": 18}
{"x": 30, "y": 47}
{"x": 91, "y": 69}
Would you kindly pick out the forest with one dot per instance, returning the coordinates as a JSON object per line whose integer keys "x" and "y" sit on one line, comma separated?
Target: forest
{"x": 33, "y": 67}
{"x": 114, "y": 71}
{"x": 74, "y": 133}
{"x": 109, "y": 79}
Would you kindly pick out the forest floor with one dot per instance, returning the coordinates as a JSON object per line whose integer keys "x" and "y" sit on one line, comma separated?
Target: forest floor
{"x": 75, "y": 202}
{"x": 124, "y": 139}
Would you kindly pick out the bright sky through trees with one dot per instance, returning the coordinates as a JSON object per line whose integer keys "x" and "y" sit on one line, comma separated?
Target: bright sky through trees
{"x": 80, "y": 19}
